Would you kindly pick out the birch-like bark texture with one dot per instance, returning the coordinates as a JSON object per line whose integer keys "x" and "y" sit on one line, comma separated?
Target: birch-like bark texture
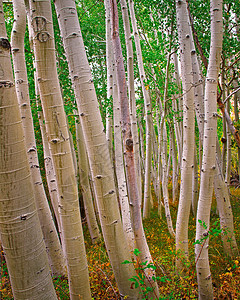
{"x": 21, "y": 234}
{"x": 97, "y": 148}
{"x": 188, "y": 134}
{"x": 119, "y": 161}
{"x": 148, "y": 115}
{"x": 83, "y": 167}
{"x": 163, "y": 152}
{"x": 209, "y": 149}
{"x": 60, "y": 148}
{"x": 49, "y": 171}
{"x": 131, "y": 92}
{"x": 224, "y": 208}
{"x": 53, "y": 246}
{"x": 140, "y": 238}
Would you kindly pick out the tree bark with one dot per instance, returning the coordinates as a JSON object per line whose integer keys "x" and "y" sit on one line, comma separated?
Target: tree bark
{"x": 148, "y": 115}
{"x": 188, "y": 135}
{"x": 60, "y": 148}
{"x": 209, "y": 148}
{"x": 96, "y": 145}
{"x": 53, "y": 246}
{"x": 128, "y": 153}
{"x": 21, "y": 234}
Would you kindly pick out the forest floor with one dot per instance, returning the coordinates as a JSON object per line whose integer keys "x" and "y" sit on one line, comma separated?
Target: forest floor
{"x": 225, "y": 271}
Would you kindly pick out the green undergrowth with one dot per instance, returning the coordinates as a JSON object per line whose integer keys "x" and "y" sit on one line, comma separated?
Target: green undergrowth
{"x": 225, "y": 271}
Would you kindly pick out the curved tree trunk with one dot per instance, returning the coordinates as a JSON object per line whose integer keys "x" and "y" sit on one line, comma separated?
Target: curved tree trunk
{"x": 57, "y": 131}
{"x": 128, "y": 153}
{"x": 119, "y": 160}
{"x": 51, "y": 239}
{"x": 21, "y": 234}
{"x": 209, "y": 149}
{"x": 97, "y": 148}
{"x": 148, "y": 115}
{"x": 83, "y": 167}
{"x": 188, "y": 135}
{"x": 131, "y": 92}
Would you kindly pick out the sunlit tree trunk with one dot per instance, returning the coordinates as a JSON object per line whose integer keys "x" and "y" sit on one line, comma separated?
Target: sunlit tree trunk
{"x": 163, "y": 150}
{"x": 209, "y": 148}
{"x": 49, "y": 170}
{"x": 131, "y": 91}
{"x": 51, "y": 239}
{"x": 148, "y": 115}
{"x": 83, "y": 166}
{"x": 224, "y": 208}
{"x": 96, "y": 145}
{"x": 188, "y": 134}
{"x": 140, "y": 238}
{"x": 57, "y": 131}
{"x": 21, "y": 234}
{"x": 119, "y": 160}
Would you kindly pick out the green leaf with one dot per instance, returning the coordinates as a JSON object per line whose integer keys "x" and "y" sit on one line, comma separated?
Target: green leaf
{"x": 136, "y": 252}
{"x": 126, "y": 262}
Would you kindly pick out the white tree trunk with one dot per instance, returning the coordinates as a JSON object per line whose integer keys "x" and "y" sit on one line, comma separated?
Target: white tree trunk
{"x": 99, "y": 159}
{"x": 57, "y": 131}
{"x": 188, "y": 134}
{"x": 148, "y": 115}
{"x": 83, "y": 166}
{"x": 131, "y": 92}
{"x": 224, "y": 208}
{"x": 51, "y": 239}
{"x": 21, "y": 234}
{"x": 209, "y": 148}
{"x": 119, "y": 162}
{"x": 128, "y": 153}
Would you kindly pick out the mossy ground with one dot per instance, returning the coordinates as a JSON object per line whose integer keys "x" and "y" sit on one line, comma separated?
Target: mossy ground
{"x": 225, "y": 271}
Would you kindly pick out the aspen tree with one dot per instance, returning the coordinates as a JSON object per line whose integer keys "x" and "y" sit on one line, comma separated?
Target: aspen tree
{"x": 51, "y": 239}
{"x": 21, "y": 235}
{"x": 60, "y": 148}
{"x": 188, "y": 134}
{"x": 119, "y": 159}
{"x": 96, "y": 145}
{"x": 209, "y": 148}
{"x": 220, "y": 188}
{"x": 139, "y": 234}
{"x": 163, "y": 152}
{"x": 83, "y": 167}
{"x": 148, "y": 114}
{"x": 224, "y": 208}
{"x": 131, "y": 91}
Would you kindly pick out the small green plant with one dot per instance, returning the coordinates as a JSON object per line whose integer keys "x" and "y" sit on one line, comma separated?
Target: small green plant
{"x": 141, "y": 280}
{"x": 214, "y": 230}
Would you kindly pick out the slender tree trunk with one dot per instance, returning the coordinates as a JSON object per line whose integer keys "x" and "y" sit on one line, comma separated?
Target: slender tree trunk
{"x": 188, "y": 135}
{"x": 96, "y": 145}
{"x": 195, "y": 183}
{"x": 128, "y": 152}
{"x": 21, "y": 234}
{"x": 163, "y": 150}
{"x": 60, "y": 148}
{"x": 119, "y": 160}
{"x": 131, "y": 92}
{"x": 51, "y": 239}
{"x": 209, "y": 148}
{"x": 236, "y": 114}
{"x": 83, "y": 166}
{"x": 148, "y": 115}
{"x": 224, "y": 209}
{"x": 49, "y": 170}
{"x": 229, "y": 152}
